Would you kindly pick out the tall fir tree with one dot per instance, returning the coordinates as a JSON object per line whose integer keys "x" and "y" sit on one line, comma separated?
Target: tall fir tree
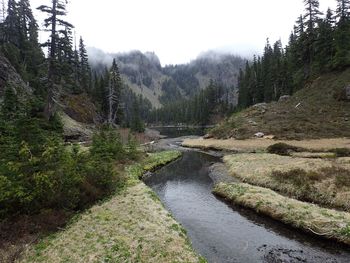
{"x": 55, "y": 20}
{"x": 114, "y": 94}
{"x": 84, "y": 66}
{"x": 311, "y": 18}
{"x": 342, "y": 35}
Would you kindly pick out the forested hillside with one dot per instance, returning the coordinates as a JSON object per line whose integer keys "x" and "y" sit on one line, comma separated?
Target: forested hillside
{"x": 319, "y": 43}
{"x": 144, "y": 74}
{"x": 313, "y": 67}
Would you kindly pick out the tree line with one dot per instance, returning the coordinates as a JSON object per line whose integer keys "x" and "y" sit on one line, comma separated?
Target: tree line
{"x": 213, "y": 100}
{"x": 319, "y": 43}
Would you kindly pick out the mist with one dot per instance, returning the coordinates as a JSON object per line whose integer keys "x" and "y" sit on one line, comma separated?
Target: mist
{"x": 179, "y": 31}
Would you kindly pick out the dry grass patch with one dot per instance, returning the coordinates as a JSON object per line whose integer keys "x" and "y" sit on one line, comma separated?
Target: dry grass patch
{"x": 320, "y": 181}
{"x": 261, "y": 145}
{"x": 308, "y": 217}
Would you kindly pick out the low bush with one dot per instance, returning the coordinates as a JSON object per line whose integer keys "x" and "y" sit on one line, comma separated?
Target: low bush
{"x": 53, "y": 176}
{"x": 283, "y": 149}
{"x": 341, "y": 152}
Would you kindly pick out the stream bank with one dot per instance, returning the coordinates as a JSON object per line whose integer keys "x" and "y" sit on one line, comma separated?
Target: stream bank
{"x": 227, "y": 233}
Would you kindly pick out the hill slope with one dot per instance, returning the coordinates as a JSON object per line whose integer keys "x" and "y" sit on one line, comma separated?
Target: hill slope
{"x": 319, "y": 110}
{"x": 143, "y": 73}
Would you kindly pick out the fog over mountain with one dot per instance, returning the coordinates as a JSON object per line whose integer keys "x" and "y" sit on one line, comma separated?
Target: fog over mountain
{"x": 145, "y": 75}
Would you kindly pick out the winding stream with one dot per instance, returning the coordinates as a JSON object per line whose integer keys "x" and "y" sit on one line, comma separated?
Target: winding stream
{"x": 222, "y": 233}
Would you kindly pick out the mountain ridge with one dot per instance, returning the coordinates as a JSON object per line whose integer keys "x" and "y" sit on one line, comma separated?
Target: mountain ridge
{"x": 145, "y": 75}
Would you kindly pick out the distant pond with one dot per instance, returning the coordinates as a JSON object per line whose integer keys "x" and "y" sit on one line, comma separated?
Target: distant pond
{"x": 174, "y": 132}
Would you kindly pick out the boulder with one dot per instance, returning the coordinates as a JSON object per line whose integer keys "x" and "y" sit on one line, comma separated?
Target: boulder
{"x": 260, "y": 105}
{"x": 284, "y": 98}
{"x": 259, "y": 135}
{"x": 207, "y": 136}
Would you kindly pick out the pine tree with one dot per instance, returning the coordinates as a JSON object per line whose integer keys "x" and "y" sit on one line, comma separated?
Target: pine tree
{"x": 54, "y": 21}
{"x": 84, "y": 65}
{"x": 114, "y": 94}
{"x": 136, "y": 122}
{"x": 311, "y": 17}
{"x": 343, "y": 9}
{"x": 66, "y": 58}
{"x": 342, "y": 35}
{"x": 12, "y": 24}
{"x": 324, "y": 44}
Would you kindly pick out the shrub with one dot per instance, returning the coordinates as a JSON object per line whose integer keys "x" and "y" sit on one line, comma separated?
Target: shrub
{"x": 131, "y": 148}
{"x": 341, "y": 152}
{"x": 107, "y": 145}
{"x": 283, "y": 149}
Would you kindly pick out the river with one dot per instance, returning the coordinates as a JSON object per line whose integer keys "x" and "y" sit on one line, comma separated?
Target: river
{"x": 224, "y": 233}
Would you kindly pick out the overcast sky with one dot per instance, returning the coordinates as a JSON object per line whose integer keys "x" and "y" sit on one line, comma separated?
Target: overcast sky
{"x": 179, "y": 30}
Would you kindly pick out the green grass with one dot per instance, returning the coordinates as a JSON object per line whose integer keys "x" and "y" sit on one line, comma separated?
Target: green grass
{"x": 150, "y": 164}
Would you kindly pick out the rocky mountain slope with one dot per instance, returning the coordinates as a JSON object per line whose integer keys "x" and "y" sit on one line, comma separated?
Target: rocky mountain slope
{"x": 144, "y": 74}
{"x": 320, "y": 110}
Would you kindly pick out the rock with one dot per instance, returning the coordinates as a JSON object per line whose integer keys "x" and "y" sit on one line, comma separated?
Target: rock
{"x": 259, "y": 134}
{"x": 207, "y": 136}
{"x": 284, "y": 98}
{"x": 74, "y": 131}
{"x": 80, "y": 108}
{"x": 260, "y": 105}
{"x": 10, "y": 78}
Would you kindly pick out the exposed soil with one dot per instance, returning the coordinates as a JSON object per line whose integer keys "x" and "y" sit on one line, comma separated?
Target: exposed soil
{"x": 18, "y": 232}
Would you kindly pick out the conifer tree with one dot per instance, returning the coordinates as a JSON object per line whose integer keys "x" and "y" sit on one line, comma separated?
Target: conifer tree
{"x": 343, "y": 9}
{"x": 311, "y": 17}
{"x": 84, "y": 65}
{"x": 324, "y": 44}
{"x": 114, "y": 93}
{"x": 56, "y": 11}
{"x": 12, "y": 24}
{"x": 341, "y": 35}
